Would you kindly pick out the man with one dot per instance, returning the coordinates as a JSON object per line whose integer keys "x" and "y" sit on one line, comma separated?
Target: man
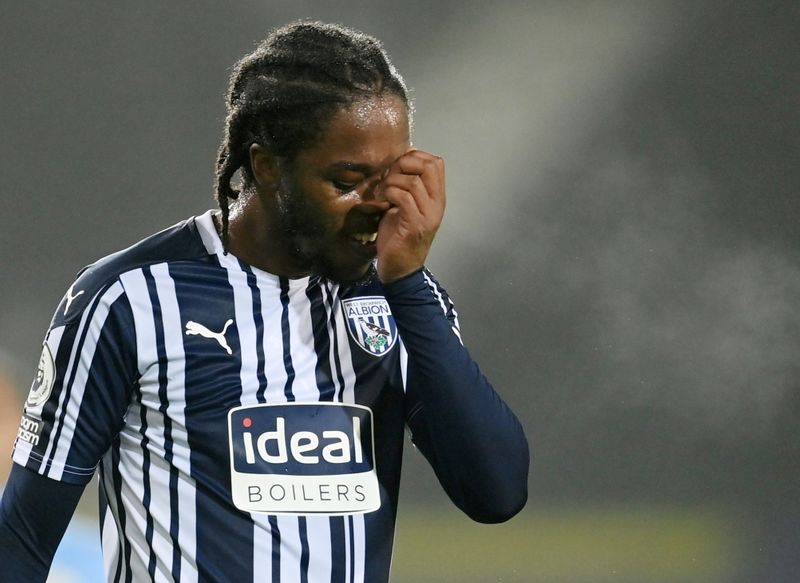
{"x": 242, "y": 380}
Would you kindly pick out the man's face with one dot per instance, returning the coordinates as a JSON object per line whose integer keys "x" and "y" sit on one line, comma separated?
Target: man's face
{"x": 325, "y": 196}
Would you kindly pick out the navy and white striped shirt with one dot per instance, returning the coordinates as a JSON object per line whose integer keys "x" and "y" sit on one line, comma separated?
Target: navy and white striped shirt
{"x": 249, "y": 427}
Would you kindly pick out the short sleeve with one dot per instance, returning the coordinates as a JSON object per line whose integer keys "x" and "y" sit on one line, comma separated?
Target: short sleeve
{"x": 83, "y": 384}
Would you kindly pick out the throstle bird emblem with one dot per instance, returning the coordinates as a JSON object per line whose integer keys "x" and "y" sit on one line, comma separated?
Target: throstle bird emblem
{"x": 376, "y": 336}
{"x": 195, "y": 329}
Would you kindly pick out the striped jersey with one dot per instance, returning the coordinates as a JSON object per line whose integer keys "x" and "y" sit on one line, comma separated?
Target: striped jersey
{"x": 243, "y": 426}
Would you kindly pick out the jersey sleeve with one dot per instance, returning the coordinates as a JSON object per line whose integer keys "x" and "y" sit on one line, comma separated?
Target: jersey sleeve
{"x": 86, "y": 373}
{"x": 34, "y": 514}
{"x": 471, "y": 438}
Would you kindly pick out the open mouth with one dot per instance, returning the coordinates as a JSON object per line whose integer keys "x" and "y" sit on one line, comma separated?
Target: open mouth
{"x": 364, "y": 238}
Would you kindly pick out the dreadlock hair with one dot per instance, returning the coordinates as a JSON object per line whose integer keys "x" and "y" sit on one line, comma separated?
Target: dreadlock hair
{"x": 282, "y": 94}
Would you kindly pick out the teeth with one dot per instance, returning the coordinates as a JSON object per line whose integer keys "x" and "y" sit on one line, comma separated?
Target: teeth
{"x": 365, "y": 237}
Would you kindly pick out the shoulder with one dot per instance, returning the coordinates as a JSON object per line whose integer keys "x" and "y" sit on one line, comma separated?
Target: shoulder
{"x": 181, "y": 241}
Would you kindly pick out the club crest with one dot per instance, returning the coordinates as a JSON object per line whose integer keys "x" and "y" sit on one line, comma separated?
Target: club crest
{"x": 371, "y": 324}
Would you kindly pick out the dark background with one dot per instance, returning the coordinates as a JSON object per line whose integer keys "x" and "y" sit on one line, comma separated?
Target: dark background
{"x": 621, "y": 240}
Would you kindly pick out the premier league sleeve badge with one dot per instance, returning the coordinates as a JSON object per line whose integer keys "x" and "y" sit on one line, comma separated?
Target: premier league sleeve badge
{"x": 43, "y": 383}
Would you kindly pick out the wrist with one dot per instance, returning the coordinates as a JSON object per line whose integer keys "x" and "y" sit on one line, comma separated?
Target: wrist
{"x": 390, "y": 278}
{"x": 407, "y": 285}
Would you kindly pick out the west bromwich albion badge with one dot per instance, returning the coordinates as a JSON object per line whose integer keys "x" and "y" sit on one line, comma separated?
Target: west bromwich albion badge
{"x": 371, "y": 324}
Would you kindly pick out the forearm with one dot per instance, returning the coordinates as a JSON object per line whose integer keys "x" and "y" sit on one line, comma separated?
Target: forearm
{"x": 34, "y": 513}
{"x": 474, "y": 442}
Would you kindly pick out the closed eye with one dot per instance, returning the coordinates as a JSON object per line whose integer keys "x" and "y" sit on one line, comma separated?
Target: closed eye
{"x": 344, "y": 187}
{"x": 346, "y": 176}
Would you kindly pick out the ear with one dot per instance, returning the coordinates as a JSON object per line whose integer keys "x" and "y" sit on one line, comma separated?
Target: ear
{"x": 264, "y": 167}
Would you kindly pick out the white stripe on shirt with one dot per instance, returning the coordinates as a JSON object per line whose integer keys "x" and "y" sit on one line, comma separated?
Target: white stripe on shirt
{"x": 80, "y": 377}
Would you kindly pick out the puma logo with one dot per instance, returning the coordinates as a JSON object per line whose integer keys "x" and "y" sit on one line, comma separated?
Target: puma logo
{"x": 194, "y": 329}
{"x": 70, "y": 298}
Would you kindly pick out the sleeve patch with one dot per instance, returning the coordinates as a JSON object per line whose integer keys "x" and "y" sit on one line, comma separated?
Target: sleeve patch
{"x": 30, "y": 430}
{"x": 45, "y": 377}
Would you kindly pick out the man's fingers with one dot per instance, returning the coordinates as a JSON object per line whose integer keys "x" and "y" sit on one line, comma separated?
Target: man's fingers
{"x": 414, "y": 185}
{"x": 404, "y": 201}
{"x": 430, "y": 169}
{"x": 433, "y": 177}
{"x": 409, "y": 163}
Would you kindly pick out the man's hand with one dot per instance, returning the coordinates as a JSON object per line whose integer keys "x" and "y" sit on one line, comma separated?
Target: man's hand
{"x": 414, "y": 186}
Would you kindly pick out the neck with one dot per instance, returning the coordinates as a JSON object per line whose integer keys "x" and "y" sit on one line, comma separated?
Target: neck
{"x": 255, "y": 236}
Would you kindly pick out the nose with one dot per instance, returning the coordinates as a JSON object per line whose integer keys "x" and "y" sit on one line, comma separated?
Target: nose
{"x": 370, "y": 192}
{"x": 372, "y": 202}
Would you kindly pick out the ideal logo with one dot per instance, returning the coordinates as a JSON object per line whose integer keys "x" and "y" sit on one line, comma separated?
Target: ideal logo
{"x": 371, "y": 324}
{"x": 303, "y": 458}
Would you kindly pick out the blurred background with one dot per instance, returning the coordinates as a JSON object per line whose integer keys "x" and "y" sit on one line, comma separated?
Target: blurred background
{"x": 621, "y": 240}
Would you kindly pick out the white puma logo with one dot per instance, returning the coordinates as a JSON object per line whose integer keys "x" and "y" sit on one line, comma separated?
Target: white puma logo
{"x": 193, "y": 329}
{"x": 70, "y": 298}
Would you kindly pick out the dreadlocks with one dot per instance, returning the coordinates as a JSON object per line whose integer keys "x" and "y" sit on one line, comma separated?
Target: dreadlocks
{"x": 281, "y": 95}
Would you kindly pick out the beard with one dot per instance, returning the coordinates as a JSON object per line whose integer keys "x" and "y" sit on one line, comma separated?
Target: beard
{"x": 312, "y": 238}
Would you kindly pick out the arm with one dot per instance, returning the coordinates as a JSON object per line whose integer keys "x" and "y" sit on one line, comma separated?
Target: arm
{"x": 75, "y": 409}
{"x": 471, "y": 438}
{"x": 473, "y": 441}
{"x": 34, "y": 513}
